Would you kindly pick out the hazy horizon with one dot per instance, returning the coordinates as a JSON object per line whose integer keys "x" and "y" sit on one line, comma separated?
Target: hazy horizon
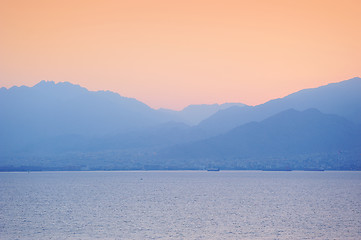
{"x": 174, "y": 109}
{"x": 172, "y": 54}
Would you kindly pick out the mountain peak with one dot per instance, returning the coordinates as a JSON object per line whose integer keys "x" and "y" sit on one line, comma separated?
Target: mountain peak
{"x": 44, "y": 83}
{"x": 196, "y": 113}
{"x": 51, "y": 84}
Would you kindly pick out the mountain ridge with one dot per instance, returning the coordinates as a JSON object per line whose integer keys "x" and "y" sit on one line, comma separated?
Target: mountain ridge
{"x": 286, "y": 135}
{"x": 340, "y": 98}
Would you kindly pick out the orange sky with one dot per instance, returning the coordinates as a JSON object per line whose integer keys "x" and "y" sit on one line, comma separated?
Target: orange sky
{"x": 174, "y": 53}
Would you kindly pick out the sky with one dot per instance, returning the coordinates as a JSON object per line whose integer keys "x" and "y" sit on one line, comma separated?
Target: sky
{"x": 169, "y": 54}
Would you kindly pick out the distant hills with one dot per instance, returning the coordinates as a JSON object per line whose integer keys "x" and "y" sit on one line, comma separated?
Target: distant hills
{"x": 194, "y": 114}
{"x": 272, "y": 142}
{"x": 31, "y": 114}
{"x": 61, "y": 126}
{"x": 66, "y": 108}
{"x": 343, "y": 99}
{"x": 68, "y": 116}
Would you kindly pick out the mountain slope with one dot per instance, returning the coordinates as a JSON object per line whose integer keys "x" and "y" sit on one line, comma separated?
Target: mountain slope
{"x": 287, "y": 135}
{"x": 49, "y": 109}
{"x": 343, "y": 99}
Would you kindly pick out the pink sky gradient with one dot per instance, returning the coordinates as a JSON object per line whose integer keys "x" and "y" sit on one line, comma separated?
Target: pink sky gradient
{"x": 174, "y": 53}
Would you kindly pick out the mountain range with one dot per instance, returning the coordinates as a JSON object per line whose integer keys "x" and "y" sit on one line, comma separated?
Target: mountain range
{"x": 343, "y": 99}
{"x": 62, "y": 126}
{"x": 271, "y": 143}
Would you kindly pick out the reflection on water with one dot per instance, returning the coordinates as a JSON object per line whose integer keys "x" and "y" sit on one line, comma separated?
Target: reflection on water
{"x": 180, "y": 205}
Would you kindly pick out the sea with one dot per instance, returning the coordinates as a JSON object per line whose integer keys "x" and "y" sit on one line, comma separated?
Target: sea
{"x": 180, "y": 205}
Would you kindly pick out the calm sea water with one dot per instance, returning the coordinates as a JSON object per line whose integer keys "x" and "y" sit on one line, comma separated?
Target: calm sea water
{"x": 180, "y": 205}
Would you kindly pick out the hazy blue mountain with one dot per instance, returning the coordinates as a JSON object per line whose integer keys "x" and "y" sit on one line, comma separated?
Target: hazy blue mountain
{"x": 49, "y": 109}
{"x": 194, "y": 114}
{"x": 64, "y": 126}
{"x": 154, "y": 137}
{"x": 285, "y": 136}
{"x": 343, "y": 99}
